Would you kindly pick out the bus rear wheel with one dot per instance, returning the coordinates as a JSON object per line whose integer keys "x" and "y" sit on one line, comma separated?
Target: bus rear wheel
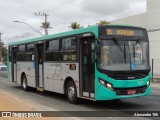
{"x": 71, "y": 92}
{"x": 24, "y": 83}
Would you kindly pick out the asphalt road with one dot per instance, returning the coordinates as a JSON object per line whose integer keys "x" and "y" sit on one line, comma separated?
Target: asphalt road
{"x": 3, "y": 74}
{"x": 49, "y": 101}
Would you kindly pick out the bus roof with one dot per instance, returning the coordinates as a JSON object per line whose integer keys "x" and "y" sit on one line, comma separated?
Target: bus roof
{"x": 93, "y": 29}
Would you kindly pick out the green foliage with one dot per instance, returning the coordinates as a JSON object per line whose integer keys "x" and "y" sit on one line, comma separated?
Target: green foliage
{"x": 4, "y": 52}
{"x": 75, "y": 25}
{"x": 104, "y": 22}
{"x": 46, "y": 25}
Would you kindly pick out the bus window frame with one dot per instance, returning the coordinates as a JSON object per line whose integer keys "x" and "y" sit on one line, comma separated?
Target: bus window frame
{"x": 77, "y": 50}
{"x": 24, "y": 52}
{"x": 45, "y": 51}
{"x": 33, "y": 52}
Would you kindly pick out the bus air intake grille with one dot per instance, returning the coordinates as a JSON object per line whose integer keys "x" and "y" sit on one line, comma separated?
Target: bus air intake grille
{"x": 124, "y": 76}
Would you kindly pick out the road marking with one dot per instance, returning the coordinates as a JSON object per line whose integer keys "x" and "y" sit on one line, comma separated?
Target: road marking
{"x": 26, "y": 103}
{"x": 43, "y": 107}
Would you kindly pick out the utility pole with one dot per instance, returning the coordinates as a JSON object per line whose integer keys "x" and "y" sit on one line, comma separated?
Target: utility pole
{"x": 0, "y": 47}
{"x": 45, "y": 21}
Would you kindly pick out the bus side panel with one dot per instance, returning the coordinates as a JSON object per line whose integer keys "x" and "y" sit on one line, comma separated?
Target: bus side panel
{"x": 56, "y": 73}
{"x": 19, "y": 69}
{"x": 49, "y": 73}
{"x": 29, "y": 70}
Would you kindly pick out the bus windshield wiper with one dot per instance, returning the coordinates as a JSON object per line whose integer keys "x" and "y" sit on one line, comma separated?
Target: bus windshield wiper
{"x": 118, "y": 45}
{"x": 138, "y": 40}
{"x": 125, "y": 53}
{"x": 134, "y": 52}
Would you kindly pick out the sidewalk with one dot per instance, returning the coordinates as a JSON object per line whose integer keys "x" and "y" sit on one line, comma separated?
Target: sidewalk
{"x": 155, "y": 84}
{"x": 10, "y": 103}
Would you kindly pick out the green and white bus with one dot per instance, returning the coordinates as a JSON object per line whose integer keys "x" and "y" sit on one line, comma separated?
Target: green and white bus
{"x": 103, "y": 62}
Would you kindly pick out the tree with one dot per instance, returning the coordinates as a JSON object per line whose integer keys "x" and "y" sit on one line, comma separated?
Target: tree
{"x": 46, "y": 26}
{"x": 4, "y": 52}
{"x": 75, "y": 25}
{"x": 104, "y": 22}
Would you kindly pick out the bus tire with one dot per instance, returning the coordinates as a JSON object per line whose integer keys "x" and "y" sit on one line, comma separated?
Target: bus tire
{"x": 71, "y": 92}
{"x": 24, "y": 83}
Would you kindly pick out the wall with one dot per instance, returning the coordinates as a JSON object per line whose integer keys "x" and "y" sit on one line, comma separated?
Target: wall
{"x": 153, "y": 23}
{"x": 136, "y": 20}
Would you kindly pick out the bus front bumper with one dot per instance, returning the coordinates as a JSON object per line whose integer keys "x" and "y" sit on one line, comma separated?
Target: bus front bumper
{"x": 104, "y": 93}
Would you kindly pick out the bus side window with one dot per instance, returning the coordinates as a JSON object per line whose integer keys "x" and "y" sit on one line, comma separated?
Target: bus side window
{"x": 30, "y": 52}
{"x": 52, "y": 50}
{"x": 69, "y": 49}
{"x": 21, "y": 53}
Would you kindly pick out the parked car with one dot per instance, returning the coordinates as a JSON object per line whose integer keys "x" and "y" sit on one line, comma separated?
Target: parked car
{"x": 3, "y": 67}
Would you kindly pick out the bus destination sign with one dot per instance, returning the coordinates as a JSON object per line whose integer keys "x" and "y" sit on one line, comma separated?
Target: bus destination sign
{"x": 124, "y": 32}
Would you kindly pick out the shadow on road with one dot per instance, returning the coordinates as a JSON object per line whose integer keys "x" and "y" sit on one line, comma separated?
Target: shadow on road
{"x": 95, "y": 105}
{"x": 48, "y": 94}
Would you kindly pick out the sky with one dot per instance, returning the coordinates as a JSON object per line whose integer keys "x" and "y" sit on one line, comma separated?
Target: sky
{"x": 61, "y": 14}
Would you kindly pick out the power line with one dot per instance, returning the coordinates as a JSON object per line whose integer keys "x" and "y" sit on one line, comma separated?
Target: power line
{"x": 66, "y": 6}
{"x": 60, "y": 5}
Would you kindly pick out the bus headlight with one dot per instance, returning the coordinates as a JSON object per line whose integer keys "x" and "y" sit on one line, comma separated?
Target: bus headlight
{"x": 109, "y": 86}
{"x": 102, "y": 82}
{"x": 106, "y": 84}
{"x": 148, "y": 83}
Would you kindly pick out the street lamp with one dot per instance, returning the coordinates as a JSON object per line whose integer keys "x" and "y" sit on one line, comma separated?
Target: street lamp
{"x": 29, "y": 26}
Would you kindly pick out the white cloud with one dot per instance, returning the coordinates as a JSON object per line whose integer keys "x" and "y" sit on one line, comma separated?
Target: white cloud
{"x": 61, "y": 13}
{"x": 105, "y": 7}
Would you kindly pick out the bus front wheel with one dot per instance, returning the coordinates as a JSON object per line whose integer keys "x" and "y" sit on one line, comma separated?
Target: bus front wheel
{"x": 24, "y": 83}
{"x": 71, "y": 92}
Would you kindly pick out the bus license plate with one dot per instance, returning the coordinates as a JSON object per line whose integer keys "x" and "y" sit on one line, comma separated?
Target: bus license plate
{"x": 131, "y": 92}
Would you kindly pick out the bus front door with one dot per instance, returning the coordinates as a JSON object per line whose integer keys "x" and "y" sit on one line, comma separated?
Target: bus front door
{"x": 39, "y": 65}
{"x": 87, "y": 63}
{"x": 14, "y": 64}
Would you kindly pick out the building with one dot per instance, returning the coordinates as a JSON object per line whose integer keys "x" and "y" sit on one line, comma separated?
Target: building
{"x": 136, "y": 20}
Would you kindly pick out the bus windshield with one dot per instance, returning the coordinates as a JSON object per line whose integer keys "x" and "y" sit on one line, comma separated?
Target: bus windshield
{"x": 124, "y": 55}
